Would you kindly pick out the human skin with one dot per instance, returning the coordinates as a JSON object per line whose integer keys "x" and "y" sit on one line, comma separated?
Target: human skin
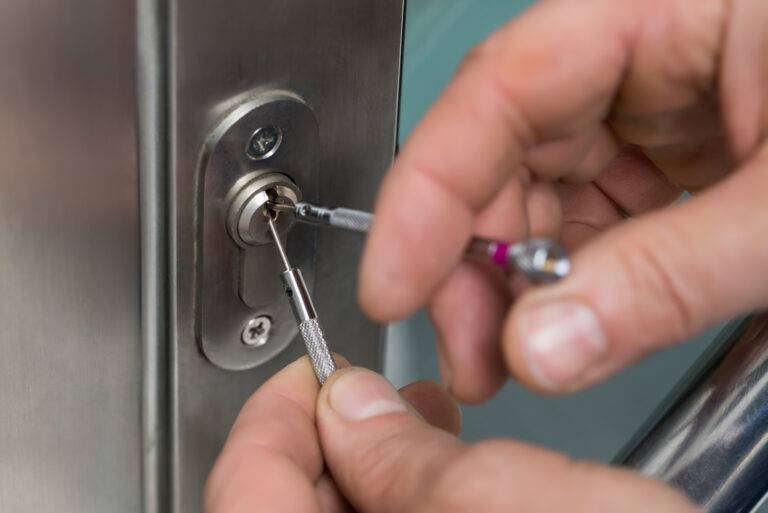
{"x": 580, "y": 120}
{"x": 571, "y": 119}
{"x": 357, "y": 445}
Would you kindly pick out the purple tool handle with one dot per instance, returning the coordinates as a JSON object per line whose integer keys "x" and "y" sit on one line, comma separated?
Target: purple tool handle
{"x": 500, "y": 254}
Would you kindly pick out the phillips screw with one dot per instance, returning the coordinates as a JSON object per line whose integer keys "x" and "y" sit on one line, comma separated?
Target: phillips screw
{"x": 256, "y": 331}
{"x": 264, "y": 142}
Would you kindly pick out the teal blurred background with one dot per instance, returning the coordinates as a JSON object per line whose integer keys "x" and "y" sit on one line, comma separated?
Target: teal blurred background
{"x": 594, "y": 424}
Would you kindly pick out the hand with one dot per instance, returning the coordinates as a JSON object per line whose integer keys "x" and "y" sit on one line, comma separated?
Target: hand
{"x": 384, "y": 451}
{"x": 570, "y": 119}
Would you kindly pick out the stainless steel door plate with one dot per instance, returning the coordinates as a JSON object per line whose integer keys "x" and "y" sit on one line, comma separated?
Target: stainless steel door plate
{"x": 265, "y": 145}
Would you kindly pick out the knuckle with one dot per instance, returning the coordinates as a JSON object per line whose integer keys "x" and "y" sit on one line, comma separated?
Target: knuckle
{"x": 664, "y": 294}
{"x": 486, "y": 64}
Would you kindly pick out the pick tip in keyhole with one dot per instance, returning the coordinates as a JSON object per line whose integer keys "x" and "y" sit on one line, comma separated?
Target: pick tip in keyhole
{"x": 269, "y": 212}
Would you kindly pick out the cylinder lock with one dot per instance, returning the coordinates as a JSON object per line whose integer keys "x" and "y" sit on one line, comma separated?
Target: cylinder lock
{"x": 247, "y": 216}
{"x": 264, "y": 149}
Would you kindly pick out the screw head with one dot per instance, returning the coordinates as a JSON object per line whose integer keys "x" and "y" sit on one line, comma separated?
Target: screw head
{"x": 256, "y": 331}
{"x": 264, "y": 142}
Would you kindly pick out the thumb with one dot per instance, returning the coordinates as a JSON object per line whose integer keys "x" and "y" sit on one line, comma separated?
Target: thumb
{"x": 385, "y": 459}
{"x": 648, "y": 283}
{"x": 367, "y": 431}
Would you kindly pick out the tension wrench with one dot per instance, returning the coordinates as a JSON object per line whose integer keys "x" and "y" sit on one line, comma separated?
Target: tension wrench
{"x": 539, "y": 260}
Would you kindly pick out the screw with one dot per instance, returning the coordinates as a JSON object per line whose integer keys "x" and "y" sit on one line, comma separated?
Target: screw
{"x": 264, "y": 142}
{"x": 256, "y": 331}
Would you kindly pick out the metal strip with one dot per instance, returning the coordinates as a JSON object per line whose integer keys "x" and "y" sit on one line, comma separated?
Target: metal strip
{"x": 152, "y": 98}
{"x": 710, "y": 440}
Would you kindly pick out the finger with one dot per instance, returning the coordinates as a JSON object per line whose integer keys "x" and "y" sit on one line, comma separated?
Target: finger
{"x": 630, "y": 185}
{"x": 387, "y": 460}
{"x": 650, "y": 282}
{"x": 634, "y": 183}
{"x": 362, "y": 420}
{"x": 272, "y": 457}
{"x": 468, "y": 332}
{"x": 330, "y": 498}
{"x": 434, "y": 405}
{"x": 545, "y": 210}
{"x": 468, "y": 313}
{"x": 744, "y": 78}
{"x": 503, "y": 476}
{"x": 587, "y": 212}
{"x": 514, "y": 91}
{"x": 574, "y": 158}
{"x": 705, "y": 163}
{"x": 545, "y": 216}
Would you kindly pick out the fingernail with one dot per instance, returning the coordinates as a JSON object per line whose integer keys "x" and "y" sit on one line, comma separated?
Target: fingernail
{"x": 562, "y": 341}
{"x": 359, "y": 394}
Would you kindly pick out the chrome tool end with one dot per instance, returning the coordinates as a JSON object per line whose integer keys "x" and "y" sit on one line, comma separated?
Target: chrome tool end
{"x": 540, "y": 260}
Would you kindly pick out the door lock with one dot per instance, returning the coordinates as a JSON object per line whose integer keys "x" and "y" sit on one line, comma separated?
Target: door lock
{"x": 265, "y": 149}
{"x": 247, "y": 217}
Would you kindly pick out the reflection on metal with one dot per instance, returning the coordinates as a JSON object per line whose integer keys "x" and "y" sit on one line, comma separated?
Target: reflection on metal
{"x": 247, "y": 216}
{"x": 101, "y": 230}
{"x": 152, "y": 148}
{"x": 712, "y": 439}
{"x": 264, "y": 142}
{"x": 256, "y": 331}
{"x": 342, "y": 57}
{"x": 70, "y": 252}
{"x": 239, "y": 275}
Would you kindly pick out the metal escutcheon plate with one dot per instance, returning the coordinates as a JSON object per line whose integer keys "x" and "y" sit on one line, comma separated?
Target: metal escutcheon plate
{"x": 237, "y": 282}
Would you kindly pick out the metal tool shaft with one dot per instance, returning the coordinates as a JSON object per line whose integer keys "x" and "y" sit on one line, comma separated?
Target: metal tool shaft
{"x": 304, "y": 311}
{"x": 278, "y": 244}
{"x": 539, "y": 260}
{"x": 345, "y": 218}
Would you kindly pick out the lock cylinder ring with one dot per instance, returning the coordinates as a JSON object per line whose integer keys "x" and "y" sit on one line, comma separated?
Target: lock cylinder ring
{"x": 248, "y": 199}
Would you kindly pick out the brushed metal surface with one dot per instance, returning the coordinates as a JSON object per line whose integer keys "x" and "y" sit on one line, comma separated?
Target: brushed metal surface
{"x": 152, "y": 122}
{"x": 70, "y": 432}
{"x": 343, "y": 58}
{"x": 710, "y": 439}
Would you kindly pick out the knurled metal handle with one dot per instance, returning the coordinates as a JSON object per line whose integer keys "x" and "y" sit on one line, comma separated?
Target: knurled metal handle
{"x": 317, "y": 349}
{"x": 353, "y": 220}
